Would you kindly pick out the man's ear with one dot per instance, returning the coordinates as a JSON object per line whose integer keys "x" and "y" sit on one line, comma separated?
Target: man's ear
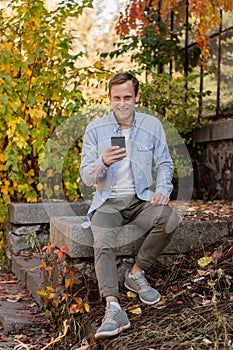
{"x": 137, "y": 98}
{"x": 109, "y": 96}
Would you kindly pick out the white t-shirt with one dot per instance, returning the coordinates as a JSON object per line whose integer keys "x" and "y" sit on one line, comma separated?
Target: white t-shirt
{"x": 124, "y": 182}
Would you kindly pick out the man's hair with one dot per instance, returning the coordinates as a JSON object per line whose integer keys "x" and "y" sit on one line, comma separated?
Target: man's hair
{"x": 121, "y": 78}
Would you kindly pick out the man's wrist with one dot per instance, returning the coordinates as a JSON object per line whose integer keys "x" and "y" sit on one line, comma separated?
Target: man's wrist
{"x": 104, "y": 163}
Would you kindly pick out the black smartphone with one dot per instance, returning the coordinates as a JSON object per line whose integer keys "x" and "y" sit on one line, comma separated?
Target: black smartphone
{"x": 118, "y": 141}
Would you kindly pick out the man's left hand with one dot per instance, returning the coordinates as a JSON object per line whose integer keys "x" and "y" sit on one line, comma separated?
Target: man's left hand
{"x": 159, "y": 198}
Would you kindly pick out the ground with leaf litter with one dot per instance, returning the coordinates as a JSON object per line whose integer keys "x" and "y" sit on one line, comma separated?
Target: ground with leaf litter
{"x": 195, "y": 311}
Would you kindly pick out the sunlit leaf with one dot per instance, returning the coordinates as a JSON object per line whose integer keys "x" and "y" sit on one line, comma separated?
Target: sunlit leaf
{"x": 42, "y": 293}
{"x": 131, "y": 294}
{"x": 135, "y": 310}
{"x": 87, "y": 307}
{"x": 206, "y": 260}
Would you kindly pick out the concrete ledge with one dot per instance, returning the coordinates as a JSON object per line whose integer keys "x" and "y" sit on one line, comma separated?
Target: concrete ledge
{"x": 215, "y": 131}
{"x": 68, "y": 231}
{"x": 37, "y": 213}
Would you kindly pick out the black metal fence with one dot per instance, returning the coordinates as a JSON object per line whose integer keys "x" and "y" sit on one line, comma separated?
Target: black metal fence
{"x": 219, "y": 80}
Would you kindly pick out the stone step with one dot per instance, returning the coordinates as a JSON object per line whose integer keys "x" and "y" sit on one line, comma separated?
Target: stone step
{"x": 26, "y": 269}
{"x": 37, "y": 213}
{"x": 79, "y": 241}
{"x": 18, "y": 308}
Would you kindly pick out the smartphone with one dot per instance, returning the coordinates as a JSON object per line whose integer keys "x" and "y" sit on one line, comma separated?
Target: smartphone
{"x": 118, "y": 141}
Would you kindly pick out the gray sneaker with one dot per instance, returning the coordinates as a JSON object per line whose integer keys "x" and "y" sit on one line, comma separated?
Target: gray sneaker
{"x": 138, "y": 284}
{"x": 114, "y": 322}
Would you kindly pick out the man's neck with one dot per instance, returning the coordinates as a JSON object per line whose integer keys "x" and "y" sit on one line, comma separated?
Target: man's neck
{"x": 125, "y": 126}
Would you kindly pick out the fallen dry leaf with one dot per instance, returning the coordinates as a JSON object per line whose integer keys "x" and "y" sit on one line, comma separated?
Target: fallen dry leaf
{"x": 10, "y": 282}
{"x": 131, "y": 294}
{"x": 203, "y": 262}
{"x": 136, "y": 311}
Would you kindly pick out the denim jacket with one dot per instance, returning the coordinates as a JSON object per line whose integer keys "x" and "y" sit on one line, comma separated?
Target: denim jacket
{"x": 149, "y": 152}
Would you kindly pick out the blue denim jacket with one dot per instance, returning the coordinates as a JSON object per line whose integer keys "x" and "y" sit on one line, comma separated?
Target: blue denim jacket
{"x": 149, "y": 151}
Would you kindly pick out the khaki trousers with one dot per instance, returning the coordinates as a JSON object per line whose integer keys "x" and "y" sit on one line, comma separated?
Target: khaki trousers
{"x": 157, "y": 222}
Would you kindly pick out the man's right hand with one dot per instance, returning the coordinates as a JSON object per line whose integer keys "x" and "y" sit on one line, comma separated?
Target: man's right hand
{"x": 113, "y": 154}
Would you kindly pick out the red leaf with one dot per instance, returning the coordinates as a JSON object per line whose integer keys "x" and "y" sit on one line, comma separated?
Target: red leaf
{"x": 58, "y": 253}
{"x": 64, "y": 249}
{"x": 175, "y": 288}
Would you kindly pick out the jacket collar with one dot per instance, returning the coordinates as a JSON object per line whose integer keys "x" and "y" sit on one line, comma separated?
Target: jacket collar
{"x": 116, "y": 125}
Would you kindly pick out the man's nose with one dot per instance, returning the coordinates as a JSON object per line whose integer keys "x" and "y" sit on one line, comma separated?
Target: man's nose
{"x": 121, "y": 101}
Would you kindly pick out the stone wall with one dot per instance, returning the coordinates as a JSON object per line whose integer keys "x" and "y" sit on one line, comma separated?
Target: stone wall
{"x": 213, "y": 161}
{"x": 28, "y": 225}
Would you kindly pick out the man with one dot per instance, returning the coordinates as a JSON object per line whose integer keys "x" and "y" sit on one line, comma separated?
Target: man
{"x": 125, "y": 195}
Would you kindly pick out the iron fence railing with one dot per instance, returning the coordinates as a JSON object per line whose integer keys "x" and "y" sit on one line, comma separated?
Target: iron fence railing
{"x": 220, "y": 66}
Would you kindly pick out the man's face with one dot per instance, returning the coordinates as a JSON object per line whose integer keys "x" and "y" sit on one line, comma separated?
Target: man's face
{"x": 123, "y": 100}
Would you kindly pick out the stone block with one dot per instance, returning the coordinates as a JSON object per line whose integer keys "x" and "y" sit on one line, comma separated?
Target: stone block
{"x": 196, "y": 234}
{"x": 37, "y": 213}
{"x": 17, "y": 309}
{"x": 16, "y": 316}
{"x": 28, "y": 272}
{"x": 16, "y": 238}
{"x": 22, "y": 265}
{"x": 35, "y": 283}
{"x": 216, "y": 131}
{"x": 68, "y": 231}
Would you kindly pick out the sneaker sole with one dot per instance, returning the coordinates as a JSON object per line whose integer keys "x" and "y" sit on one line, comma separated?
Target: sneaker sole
{"x": 111, "y": 334}
{"x": 142, "y": 300}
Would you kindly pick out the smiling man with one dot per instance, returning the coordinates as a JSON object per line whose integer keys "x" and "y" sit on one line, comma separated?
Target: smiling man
{"x": 127, "y": 195}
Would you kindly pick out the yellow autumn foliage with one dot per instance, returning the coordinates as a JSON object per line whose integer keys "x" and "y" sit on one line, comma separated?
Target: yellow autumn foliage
{"x": 35, "y": 80}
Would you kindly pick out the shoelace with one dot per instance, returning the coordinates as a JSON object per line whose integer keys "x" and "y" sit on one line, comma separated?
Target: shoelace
{"x": 110, "y": 314}
{"x": 141, "y": 281}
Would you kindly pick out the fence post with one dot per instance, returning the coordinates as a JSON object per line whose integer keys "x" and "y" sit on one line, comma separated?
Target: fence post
{"x": 219, "y": 66}
{"x": 186, "y": 62}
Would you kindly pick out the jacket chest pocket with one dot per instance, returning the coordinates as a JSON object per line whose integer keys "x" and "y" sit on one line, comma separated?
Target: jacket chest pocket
{"x": 102, "y": 147}
{"x": 145, "y": 153}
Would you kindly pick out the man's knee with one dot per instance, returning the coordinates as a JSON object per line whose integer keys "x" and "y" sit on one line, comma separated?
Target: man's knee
{"x": 172, "y": 221}
{"x": 168, "y": 219}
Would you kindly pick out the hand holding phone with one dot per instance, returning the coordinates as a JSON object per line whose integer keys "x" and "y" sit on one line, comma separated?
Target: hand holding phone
{"x": 112, "y": 155}
{"x": 118, "y": 141}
